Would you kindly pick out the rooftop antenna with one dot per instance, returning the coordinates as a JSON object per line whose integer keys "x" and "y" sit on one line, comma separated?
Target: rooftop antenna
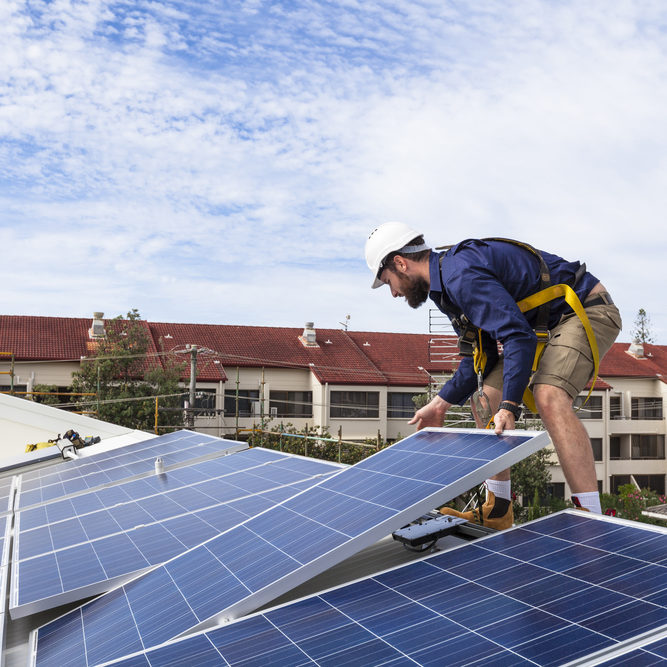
{"x": 345, "y": 324}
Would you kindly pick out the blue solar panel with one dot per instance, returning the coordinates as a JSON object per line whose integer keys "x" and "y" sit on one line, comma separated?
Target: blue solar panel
{"x": 6, "y": 495}
{"x": 460, "y": 607}
{"x": 73, "y": 477}
{"x": 292, "y": 542}
{"x": 654, "y": 653}
{"x": 5, "y": 534}
{"x": 76, "y": 557}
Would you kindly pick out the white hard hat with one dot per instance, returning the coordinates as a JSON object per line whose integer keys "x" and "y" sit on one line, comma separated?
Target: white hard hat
{"x": 387, "y": 238}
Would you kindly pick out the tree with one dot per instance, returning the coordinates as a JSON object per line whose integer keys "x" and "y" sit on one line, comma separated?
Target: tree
{"x": 642, "y": 331}
{"x": 126, "y": 378}
{"x": 531, "y": 475}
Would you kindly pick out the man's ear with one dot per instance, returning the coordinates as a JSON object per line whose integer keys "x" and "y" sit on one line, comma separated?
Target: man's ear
{"x": 401, "y": 264}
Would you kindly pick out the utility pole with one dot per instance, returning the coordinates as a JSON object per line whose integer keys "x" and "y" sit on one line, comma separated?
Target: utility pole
{"x": 193, "y": 383}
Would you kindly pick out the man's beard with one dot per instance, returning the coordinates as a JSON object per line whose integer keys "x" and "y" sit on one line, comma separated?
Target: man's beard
{"x": 415, "y": 290}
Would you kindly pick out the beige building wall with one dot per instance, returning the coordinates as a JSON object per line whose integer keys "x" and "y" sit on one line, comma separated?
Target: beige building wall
{"x": 57, "y": 373}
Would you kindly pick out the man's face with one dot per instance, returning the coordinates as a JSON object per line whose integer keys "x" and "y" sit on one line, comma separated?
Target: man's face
{"x": 414, "y": 288}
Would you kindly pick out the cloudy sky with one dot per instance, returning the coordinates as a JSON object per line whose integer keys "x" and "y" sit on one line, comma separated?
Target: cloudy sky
{"x": 221, "y": 161}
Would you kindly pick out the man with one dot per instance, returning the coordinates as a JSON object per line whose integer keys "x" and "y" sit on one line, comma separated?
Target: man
{"x": 483, "y": 280}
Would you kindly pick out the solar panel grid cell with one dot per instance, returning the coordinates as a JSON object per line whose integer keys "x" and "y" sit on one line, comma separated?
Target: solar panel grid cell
{"x": 278, "y": 547}
{"x": 74, "y": 477}
{"x": 144, "y": 501}
{"x": 91, "y": 550}
{"x": 654, "y": 653}
{"x": 398, "y": 615}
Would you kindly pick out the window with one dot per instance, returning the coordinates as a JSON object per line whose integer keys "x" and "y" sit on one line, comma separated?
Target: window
{"x": 615, "y": 407}
{"x": 355, "y": 404}
{"x": 615, "y": 447}
{"x": 19, "y": 389}
{"x": 400, "y": 405}
{"x": 246, "y": 399}
{"x": 647, "y": 408}
{"x": 556, "y": 490}
{"x": 592, "y": 409}
{"x": 291, "y": 403}
{"x": 648, "y": 446}
{"x": 596, "y": 443}
{"x": 654, "y": 482}
{"x": 617, "y": 481}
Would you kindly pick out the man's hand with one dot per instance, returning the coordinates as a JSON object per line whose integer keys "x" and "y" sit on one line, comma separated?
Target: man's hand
{"x": 503, "y": 420}
{"x": 432, "y": 414}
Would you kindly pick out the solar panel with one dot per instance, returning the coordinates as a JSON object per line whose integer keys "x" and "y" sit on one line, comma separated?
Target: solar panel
{"x": 5, "y": 535}
{"x": 654, "y": 653}
{"x": 255, "y": 562}
{"x": 6, "y": 495}
{"x": 74, "y": 477}
{"x": 81, "y": 555}
{"x": 527, "y": 596}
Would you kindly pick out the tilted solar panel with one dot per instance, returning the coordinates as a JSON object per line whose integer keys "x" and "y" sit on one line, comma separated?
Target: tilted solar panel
{"x": 81, "y": 555}
{"x": 80, "y": 476}
{"x": 5, "y": 534}
{"x": 6, "y": 495}
{"x": 251, "y": 564}
{"x": 653, "y": 653}
{"x": 539, "y": 594}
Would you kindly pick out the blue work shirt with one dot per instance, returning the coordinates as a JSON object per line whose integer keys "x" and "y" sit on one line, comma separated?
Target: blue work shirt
{"x": 483, "y": 280}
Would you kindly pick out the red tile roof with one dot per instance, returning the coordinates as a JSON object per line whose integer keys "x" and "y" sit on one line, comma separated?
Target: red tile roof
{"x": 403, "y": 359}
{"x": 44, "y": 338}
{"x": 341, "y": 357}
{"x": 32, "y": 338}
{"x": 619, "y": 363}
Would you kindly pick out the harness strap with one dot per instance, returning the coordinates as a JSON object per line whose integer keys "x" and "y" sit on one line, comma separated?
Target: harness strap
{"x": 571, "y": 298}
{"x": 470, "y": 338}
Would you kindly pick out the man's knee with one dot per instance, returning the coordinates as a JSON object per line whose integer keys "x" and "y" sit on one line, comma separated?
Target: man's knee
{"x": 551, "y": 400}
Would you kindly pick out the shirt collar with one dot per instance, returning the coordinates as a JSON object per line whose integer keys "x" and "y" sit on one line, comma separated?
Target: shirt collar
{"x": 434, "y": 271}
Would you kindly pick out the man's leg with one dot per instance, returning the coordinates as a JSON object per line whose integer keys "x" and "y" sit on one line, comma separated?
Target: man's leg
{"x": 565, "y": 368}
{"x": 571, "y": 441}
{"x": 496, "y": 512}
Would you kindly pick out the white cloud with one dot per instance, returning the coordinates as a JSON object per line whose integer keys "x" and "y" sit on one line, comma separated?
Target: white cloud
{"x": 215, "y": 158}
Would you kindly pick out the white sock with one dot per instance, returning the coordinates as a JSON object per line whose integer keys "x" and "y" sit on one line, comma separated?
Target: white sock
{"x": 589, "y": 500}
{"x": 500, "y": 488}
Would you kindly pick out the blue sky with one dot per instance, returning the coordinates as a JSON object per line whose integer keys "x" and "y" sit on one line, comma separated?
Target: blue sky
{"x": 224, "y": 162}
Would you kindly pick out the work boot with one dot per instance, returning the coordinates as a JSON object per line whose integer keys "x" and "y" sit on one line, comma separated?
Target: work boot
{"x": 577, "y": 504}
{"x": 497, "y": 513}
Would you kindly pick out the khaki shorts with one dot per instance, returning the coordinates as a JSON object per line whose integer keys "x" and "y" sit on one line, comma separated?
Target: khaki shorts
{"x": 567, "y": 361}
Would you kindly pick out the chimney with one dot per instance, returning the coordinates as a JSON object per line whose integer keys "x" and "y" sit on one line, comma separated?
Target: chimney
{"x": 636, "y": 350}
{"x": 308, "y": 338}
{"x": 97, "y": 329}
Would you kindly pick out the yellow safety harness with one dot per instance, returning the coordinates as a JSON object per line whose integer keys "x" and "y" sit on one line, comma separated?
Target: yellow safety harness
{"x": 572, "y": 300}
{"x": 470, "y": 336}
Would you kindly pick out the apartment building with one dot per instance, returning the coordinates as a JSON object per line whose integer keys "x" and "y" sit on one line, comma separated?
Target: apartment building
{"x": 358, "y": 384}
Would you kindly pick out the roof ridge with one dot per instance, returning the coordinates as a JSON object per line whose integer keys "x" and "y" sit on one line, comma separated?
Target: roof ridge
{"x": 370, "y": 361}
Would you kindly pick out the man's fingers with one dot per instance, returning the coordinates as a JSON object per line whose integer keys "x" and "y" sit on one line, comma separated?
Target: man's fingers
{"x": 502, "y": 421}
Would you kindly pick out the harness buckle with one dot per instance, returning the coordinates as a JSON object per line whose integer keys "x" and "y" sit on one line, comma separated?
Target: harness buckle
{"x": 467, "y": 342}
{"x": 542, "y": 334}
